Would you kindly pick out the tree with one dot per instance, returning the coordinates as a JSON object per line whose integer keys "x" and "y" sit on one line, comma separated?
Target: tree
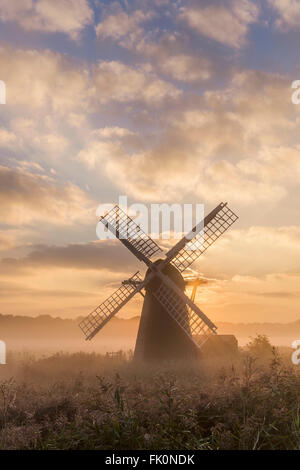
{"x": 260, "y": 347}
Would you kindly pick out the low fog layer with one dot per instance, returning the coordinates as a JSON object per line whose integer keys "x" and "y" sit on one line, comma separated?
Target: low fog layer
{"x": 46, "y": 334}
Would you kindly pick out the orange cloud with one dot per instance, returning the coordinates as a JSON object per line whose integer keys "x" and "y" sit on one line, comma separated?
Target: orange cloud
{"x": 27, "y": 197}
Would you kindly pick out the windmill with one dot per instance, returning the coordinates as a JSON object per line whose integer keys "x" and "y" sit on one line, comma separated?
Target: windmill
{"x": 171, "y": 324}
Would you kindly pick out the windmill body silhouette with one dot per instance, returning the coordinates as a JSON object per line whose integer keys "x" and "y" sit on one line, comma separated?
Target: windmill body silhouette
{"x": 172, "y": 325}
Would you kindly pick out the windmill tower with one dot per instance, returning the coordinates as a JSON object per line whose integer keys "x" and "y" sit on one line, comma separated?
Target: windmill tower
{"x": 171, "y": 325}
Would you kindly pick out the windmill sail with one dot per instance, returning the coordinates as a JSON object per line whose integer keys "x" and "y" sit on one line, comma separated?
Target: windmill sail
{"x": 186, "y": 315}
{"x": 189, "y": 317}
{"x": 105, "y": 311}
{"x": 187, "y": 250}
{"x": 130, "y": 234}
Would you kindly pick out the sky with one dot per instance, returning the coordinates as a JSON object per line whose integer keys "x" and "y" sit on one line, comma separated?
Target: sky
{"x": 164, "y": 102}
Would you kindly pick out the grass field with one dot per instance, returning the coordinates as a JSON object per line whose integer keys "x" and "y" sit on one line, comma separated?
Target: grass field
{"x": 88, "y": 401}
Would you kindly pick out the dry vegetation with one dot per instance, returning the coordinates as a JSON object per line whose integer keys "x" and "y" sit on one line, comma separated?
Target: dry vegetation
{"x": 88, "y": 401}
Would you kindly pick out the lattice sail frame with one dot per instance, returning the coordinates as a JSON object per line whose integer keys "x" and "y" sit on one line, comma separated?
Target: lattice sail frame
{"x": 105, "y": 311}
{"x": 206, "y": 237}
{"x": 187, "y": 315}
{"x": 129, "y": 233}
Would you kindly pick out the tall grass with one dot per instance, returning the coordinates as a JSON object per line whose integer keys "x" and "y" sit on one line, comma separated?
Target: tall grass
{"x": 88, "y": 401}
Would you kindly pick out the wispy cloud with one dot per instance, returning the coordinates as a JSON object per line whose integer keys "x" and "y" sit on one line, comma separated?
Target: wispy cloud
{"x": 29, "y": 197}
{"x": 227, "y": 23}
{"x": 288, "y": 12}
{"x": 66, "y": 16}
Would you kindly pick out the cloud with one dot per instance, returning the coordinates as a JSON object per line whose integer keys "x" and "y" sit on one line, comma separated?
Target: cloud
{"x": 288, "y": 13}
{"x": 66, "y": 16}
{"x": 239, "y": 252}
{"x": 227, "y": 24}
{"x": 171, "y": 55}
{"x": 257, "y": 251}
{"x": 244, "y": 288}
{"x": 100, "y": 152}
{"x": 245, "y": 299}
{"x": 100, "y": 256}
{"x": 39, "y": 80}
{"x": 49, "y": 82}
{"x": 120, "y": 24}
{"x": 279, "y": 294}
{"x": 7, "y": 240}
{"x": 240, "y": 142}
{"x": 49, "y": 278}
{"x": 187, "y": 68}
{"x": 258, "y": 273}
{"x": 7, "y": 139}
{"x": 27, "y": 197}
{"x": 226, "y": 179}
{"x": 14, "y": 241}
{"x": 109, "y": 132}
{"x": 116, "y": 81}
{"x": 38, "y": 137}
